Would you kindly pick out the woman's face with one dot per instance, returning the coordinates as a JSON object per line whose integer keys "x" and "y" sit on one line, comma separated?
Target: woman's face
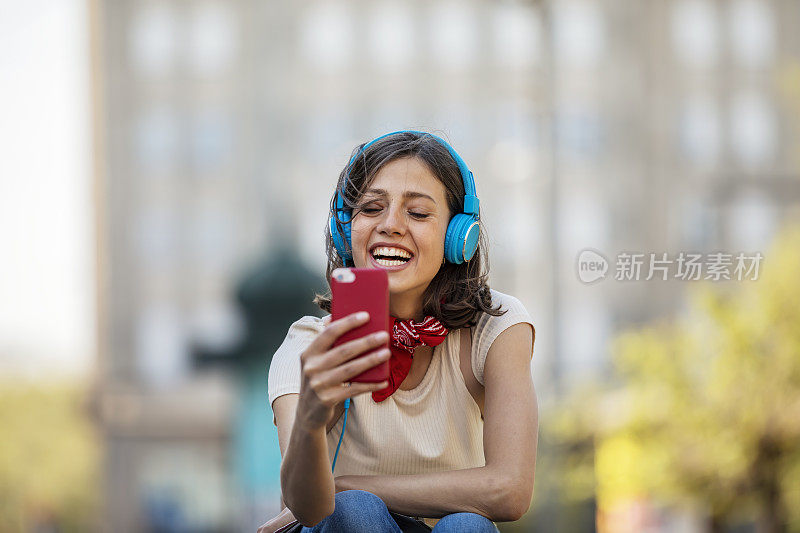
{"x": 401, "y": 226}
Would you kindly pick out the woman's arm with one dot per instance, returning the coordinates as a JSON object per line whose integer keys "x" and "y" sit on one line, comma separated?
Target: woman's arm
{"x": 502, "y": 489}
{"x": 434, "y": 495}
{"x": 306, "y": 478}
{"x": 511, "y": 416}
{"x": 307, "y": 483}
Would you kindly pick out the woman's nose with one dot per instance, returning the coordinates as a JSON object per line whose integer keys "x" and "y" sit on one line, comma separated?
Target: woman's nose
{"x": 392, "y": 222}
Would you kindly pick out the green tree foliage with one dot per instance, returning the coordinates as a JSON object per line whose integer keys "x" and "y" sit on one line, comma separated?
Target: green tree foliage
{"x": 48, "y": 459}
{"x": 708, "y": 412}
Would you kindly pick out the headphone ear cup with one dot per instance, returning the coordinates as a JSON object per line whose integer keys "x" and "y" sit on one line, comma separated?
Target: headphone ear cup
{"x": 461, "y": 238}
{"x": 448, "y": 241}
{"x": 341, "y": 242}
{"x": 472, "y": 233}
{"x": 347, "y": 237}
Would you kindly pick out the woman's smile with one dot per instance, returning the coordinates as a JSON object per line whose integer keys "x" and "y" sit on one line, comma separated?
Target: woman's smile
{"x": 390, "y": 257}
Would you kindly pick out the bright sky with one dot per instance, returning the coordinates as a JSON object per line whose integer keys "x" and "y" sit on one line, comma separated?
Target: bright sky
{"x": 46, "y": 220}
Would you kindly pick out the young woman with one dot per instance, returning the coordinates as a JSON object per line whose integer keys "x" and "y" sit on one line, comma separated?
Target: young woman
{"x": 453, "y": 434}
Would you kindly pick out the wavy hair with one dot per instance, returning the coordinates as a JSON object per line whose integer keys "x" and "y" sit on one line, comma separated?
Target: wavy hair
{"x": 458, "y": 294}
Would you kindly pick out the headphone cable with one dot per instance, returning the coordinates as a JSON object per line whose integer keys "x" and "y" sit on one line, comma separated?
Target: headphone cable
{"x": 341, "y": 436}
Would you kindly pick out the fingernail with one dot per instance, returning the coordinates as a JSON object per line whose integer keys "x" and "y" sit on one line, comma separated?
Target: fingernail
{"x": 362, "y": 315}
{"x": 380, "y": 336}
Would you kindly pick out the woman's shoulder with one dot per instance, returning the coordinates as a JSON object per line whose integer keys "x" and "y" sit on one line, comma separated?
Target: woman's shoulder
{"x": 510, "y": 307}
{"x": 308, "y": 322}
{"x": 284, "y": 367}
{"x": 489, "y": 327}
{"x": 301, "y": 332}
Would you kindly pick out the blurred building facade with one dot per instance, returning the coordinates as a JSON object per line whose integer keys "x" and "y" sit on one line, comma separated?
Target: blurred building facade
{"x": 221, "y": 128}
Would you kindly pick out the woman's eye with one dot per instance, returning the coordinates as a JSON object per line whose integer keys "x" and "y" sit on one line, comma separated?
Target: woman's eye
{"x": 418, "y": 215}
{"x": 370, "y": 210}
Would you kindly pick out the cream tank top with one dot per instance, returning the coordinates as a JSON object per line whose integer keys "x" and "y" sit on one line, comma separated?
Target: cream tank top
{"x": 434, "y": 427}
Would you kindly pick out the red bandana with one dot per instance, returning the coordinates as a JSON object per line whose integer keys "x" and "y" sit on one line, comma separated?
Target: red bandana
{"x": 407, "y": 335}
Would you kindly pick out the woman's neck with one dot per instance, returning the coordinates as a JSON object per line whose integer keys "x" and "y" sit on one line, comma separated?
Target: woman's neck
{"x": 405, "y": 308}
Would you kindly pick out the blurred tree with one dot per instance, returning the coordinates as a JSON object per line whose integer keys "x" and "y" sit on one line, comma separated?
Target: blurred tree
{"x": 274, "y": 293}
{"x": 709, "y": 408}
{"x": 564, "y": 492}
{"x": 49, "y": 459}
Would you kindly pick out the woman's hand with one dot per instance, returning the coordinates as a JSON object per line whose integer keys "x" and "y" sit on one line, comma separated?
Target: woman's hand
{"x": 343, "y": 483}
{"x": 326, "y": 371}
{"x": 283, "y": 519}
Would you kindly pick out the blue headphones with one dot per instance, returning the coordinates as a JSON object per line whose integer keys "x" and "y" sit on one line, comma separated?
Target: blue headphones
{"x": 461, "y": 239}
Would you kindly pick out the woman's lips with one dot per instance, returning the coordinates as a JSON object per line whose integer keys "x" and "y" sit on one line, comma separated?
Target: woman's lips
{"x": 386, "y": 267}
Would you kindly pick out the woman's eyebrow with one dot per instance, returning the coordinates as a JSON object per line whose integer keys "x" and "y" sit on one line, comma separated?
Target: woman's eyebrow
{"x": 407, "y": 194}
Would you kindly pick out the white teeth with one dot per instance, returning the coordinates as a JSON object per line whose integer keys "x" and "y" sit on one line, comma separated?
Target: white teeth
{"x": 389, "y": 262}
{"x": 389, "y": 251}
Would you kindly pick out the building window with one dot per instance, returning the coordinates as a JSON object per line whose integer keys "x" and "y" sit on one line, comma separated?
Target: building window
{"x": 327, "y": 36}
{"x": 582, "y": 221}
{"x": 212, "y": 139}
{"x": 453, "y": 35}
{"x": 161, "y": 346}
{"x": 695, "y": 33}
{"x": 579, "y": 33}
{"x": 752, "y": 220}
{"x": 330, "y": 133}
{"x": 391, "y": 35}
{"x": 513, "y": 155}
{"x": 699, "y": 130}
{"x": 753, "y": 129}
{"x": 213, "y": 238}
{"x": 517, "y": 36}
{"x": 153, "y": 40}
{"x": 157, "y": 138}
{"x": 580, "y": 132}
{"x": 213, "y": 39}
{"x": 584, "y": 356}
{"x": 156, "y": 234}
{"x": 752, "y": 33}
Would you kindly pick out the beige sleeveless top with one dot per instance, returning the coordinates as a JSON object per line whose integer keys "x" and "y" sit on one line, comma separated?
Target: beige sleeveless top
{"x": 434, "y": 427}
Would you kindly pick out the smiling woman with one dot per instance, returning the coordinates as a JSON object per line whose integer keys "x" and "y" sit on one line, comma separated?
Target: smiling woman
{"x": 454, "y": 437}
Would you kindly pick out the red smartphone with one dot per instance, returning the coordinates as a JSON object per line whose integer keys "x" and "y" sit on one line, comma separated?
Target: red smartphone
{"x": 362, "y": 289}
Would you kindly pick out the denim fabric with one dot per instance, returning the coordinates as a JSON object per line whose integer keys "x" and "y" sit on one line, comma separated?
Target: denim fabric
{"x": 464, "y": 522}
{"x": 359, "y": 511}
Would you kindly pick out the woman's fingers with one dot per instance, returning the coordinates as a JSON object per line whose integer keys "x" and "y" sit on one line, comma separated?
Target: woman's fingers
{"x": 337, "y": 328}
{"x": 325, "y": 369}
{"x": 347, "y": 351}
{"x": 336, "y": 394}
{"x": 315, "y": 363}
{"x": 344, "y": 373}
{"x": 359, "y": 388}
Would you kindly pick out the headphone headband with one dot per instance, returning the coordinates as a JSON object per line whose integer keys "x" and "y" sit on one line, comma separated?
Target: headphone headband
{"x": 470, "y": 205}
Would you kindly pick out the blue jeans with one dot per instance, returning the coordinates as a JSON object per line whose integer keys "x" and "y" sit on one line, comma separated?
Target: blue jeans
{"x": 359, "y": 511}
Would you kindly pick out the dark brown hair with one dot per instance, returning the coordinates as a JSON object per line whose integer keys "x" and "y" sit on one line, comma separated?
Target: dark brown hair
{"x": 458, "y": 294}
